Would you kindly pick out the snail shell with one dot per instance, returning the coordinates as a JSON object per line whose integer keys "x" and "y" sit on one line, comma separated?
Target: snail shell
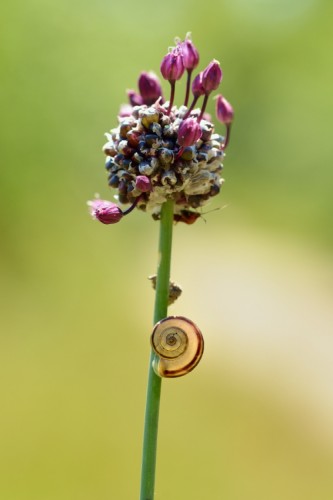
{"x": 178, "y": 345}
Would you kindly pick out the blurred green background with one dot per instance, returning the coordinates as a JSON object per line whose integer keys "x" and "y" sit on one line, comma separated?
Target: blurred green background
{"x": 254, "y": 420}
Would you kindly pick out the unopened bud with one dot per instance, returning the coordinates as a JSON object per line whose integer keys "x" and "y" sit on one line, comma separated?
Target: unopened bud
{"x": 142, "y": 183}
{"x": 190, "y": 54}
{"x": 149, "y": 87}
{"x": 211, "y": 76}
{"x": 224, "y": 110}
{"x": 125, "y": 110}
{"x": 189, "y": 132}
{"x": 172, "y": 67}
{"x": 135, "y": 99}
{"x": 105, "y": 211}
{"x": 197, "y": 88}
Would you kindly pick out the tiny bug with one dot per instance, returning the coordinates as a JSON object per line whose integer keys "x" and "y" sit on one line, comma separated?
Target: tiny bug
{"x": 186, "y": 216}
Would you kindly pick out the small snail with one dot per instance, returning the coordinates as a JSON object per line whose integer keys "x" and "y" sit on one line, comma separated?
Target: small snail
{"x": 178, "y": 345}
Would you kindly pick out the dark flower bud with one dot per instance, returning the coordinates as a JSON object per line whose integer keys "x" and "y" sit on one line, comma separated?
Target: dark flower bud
{"x": 114, "y": 180}
{"x": 135, "y": 99}
{"x": 133, "y": 137}
{"x": 109, "y": 149}
{"x": 214, "y": 190}
{"x": 165, "y": 155}
{"x": 197, "y": 88}
{"x": 211, "y": 76}
{"x": 105, "y": 211}
{"x": 124, "y": 127}
{"x": 172, "y": 67}
{"x": 190, "y": 54}
{"x": 189, "y": 132}
{"x": 224, "y": 110}
{"x": 109, "y": 163}
{"x": 142, "y": 183}
{"x": 149, "y": 87}
{"x": 188, "y": 153}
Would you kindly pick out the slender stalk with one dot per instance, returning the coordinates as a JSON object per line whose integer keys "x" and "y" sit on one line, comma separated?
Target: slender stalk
{"x": 172, "y": 96}
{"x": 188, "y": 86}
{"x": 204, "y": 104}
{"x": 191, "y": 107}
{"x": 154, "y": 382}
{"x": 227, "y": 136}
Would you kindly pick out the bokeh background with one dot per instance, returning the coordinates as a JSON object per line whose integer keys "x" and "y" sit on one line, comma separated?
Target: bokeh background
{"x": 254, "y": 420}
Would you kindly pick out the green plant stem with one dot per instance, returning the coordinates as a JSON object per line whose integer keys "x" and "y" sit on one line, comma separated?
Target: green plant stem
{"x": 154, "y": 381}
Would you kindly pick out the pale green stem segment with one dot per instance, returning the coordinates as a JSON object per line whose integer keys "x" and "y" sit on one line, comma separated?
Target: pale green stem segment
{"x": 154, "y": 381}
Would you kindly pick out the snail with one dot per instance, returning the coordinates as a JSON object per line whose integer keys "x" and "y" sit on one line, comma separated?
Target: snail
{"x": 178, "y": 345}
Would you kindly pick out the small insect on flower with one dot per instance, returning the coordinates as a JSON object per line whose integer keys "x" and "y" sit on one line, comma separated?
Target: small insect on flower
{"x": 187, "y": 216}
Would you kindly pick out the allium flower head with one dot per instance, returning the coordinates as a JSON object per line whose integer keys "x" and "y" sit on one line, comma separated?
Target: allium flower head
{"x": 160, "y": 150}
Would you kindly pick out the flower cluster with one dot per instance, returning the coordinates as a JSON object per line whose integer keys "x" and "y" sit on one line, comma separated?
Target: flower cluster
{"x": 160, "y": 151}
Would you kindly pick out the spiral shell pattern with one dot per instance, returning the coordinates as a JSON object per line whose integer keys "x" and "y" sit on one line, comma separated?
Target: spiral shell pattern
{"x": 178, "y": 345}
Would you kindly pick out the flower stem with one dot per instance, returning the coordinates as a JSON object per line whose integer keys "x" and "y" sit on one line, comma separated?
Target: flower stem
{"x": 227, "y": 136}
{"x": 154, "y": 381}
{"x": 191, "y": 107}
{"x": 172, "y": 96}
{"x": 204, "y": 104}
{"x": 188, "y": 86}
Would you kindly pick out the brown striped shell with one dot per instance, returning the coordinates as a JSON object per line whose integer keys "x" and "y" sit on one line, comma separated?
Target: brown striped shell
{"x": 178, "y": 345}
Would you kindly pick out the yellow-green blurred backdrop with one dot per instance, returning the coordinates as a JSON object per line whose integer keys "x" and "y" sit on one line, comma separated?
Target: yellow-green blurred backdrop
{"x": 254, "y": 420}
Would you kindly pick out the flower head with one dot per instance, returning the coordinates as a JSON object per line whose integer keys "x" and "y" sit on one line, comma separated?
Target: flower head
{"x": 160, "y": 151}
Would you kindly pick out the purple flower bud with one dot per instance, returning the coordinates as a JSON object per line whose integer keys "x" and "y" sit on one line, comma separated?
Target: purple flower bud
{"x": 189, "y": 132}
{"x": 172, "y": 67}
{"x": 142, "y": 183}
{"x": 149, "y": 87}
{"x": 190, "y": 54}
{"x": 135, "y": 99}
{"x": 125, "y": 110}
{"x": 197, "y": 88}
{"x": 224, "y": 110}
{"x": 211, "y": 76}
{"x": 105, "y": 211}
